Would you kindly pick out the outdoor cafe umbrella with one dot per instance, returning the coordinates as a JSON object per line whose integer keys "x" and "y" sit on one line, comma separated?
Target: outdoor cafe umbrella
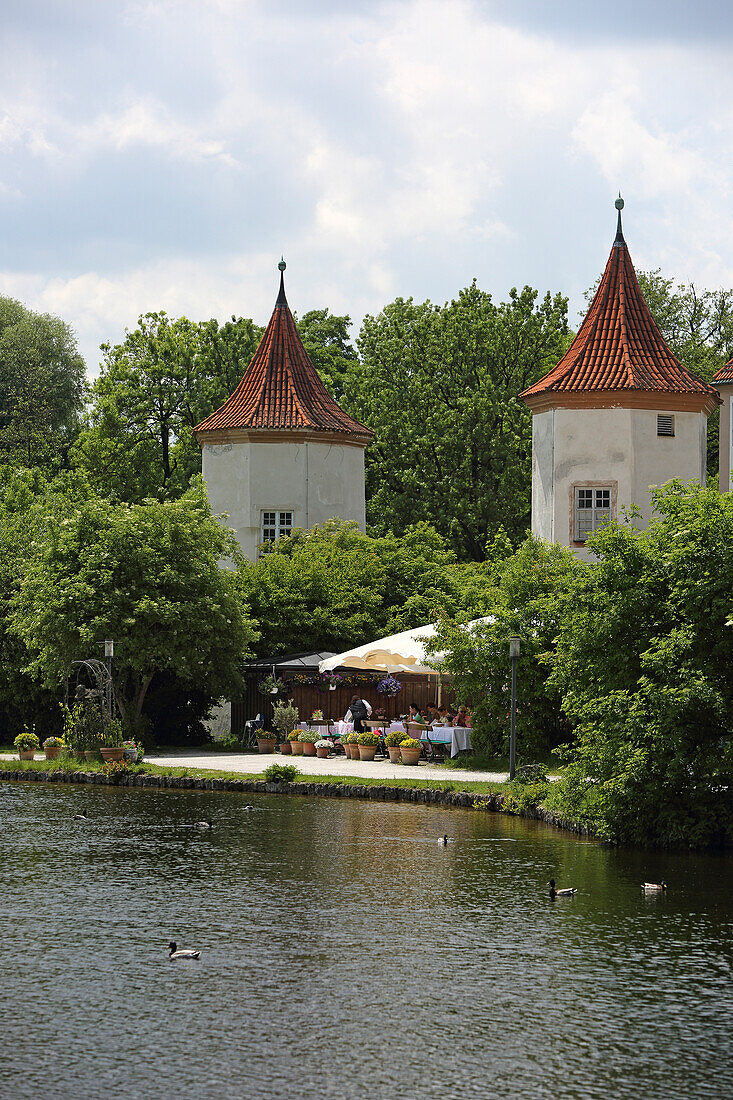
{"x": 403, "y": 652}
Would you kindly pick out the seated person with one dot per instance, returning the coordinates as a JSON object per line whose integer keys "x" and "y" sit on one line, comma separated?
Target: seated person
{"x": 414, "y": 714}
{"x": 432, "y": 716}
{"x": 445, "y": 718}
{"x": 461, "y": 718}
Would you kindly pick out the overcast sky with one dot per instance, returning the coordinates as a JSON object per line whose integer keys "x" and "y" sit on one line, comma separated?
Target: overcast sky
{"x": 163, "y": 154}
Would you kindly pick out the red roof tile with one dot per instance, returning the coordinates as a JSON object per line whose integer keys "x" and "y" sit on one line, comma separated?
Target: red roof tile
{"x": 281, "y": 389}
{"x": 725, "y": 374}
{"x": 619, "y": 346}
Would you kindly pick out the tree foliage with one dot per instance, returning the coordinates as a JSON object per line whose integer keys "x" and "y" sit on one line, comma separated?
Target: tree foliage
{"x": 148, "y": 577}
{"x": 439, "y": 386}
{"x": 42, "y": 386}
{"x": 325, "y": 337}
{"x": 334, "y": 587}
{"x": 645, "y": 649}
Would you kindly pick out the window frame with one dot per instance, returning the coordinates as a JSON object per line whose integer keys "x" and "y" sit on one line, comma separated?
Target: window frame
{"x": 278, "y": 526}
{"x": 595, "y": 486}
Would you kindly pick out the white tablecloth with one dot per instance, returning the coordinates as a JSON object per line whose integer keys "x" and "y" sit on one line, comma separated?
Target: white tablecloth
{"x": 338, "y": 729}
{"x": 322, "y": 727}
{"x": 458, "y": 737}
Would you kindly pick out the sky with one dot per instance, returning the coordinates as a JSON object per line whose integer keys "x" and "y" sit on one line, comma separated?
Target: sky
{"x": 163, "y": 154}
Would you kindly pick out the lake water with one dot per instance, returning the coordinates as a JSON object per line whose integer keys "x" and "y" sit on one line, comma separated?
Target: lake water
{"x": 345, "y": 954}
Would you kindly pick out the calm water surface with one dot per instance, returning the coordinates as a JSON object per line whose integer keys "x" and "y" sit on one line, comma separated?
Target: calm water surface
{"x": 345, "y": 954}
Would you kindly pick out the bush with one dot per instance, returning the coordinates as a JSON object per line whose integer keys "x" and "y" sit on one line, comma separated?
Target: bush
{"x": 352, "y": 738}
{"x": 293, "y": 735}
{"x": 285, "y": 719}
{"x": 410, "y": 743}
{"x": 53, "y": 742}
{"x": 26, "y": 741}
{"x": 395, "y": 738}
{"x": 281, "y": 773}
{"x": 367, "y": 738}
{"x": 528, "y": 795}
{"x": 309, "y": 736}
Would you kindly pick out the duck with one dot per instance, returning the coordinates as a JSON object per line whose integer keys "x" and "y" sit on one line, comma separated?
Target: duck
{"x": 566, "y": 892}
{"x": 443, "y": 840}
{"x": 204, "y": 825}
{"x": 184, "y": 953}
{"x": 82, "y": 816}
{"x": 654, "y": 887}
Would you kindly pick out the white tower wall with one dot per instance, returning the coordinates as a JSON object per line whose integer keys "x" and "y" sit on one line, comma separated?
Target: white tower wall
{"x": 314, "y": 480}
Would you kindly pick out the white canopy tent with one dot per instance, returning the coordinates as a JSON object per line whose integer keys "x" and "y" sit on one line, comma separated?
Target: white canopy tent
{"x": 403, "y": 652}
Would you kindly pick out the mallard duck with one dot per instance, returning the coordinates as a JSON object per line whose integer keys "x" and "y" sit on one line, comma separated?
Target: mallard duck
{"x": 174, "y": 953}
{"x": 566, "y": 892}
{"x": 82, "y": 816}
{"x": 443, "y": 840}
{"x": 654, "y": 887}
{"x": 204, "y": 825}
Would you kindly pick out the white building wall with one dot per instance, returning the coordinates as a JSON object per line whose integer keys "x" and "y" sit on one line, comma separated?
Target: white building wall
{"x": 725, "y": 480}
{"x": 313, "y": 480}
{"x": 616, "y": 447}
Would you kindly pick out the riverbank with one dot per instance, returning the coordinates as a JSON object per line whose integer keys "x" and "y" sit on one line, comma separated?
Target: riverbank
{"x": 474, "y": 795}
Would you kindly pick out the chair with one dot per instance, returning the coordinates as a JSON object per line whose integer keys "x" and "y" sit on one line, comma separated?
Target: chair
{"x": 435, "y": 750}
{"x": 417, "y": 729}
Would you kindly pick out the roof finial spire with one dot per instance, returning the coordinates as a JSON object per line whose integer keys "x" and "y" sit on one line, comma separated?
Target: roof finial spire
{"x": 281, "y": 299}
{"x": 619, "y": 204}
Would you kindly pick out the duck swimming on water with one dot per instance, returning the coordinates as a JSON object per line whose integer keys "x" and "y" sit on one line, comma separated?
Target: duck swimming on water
{"x": 566, "y": 892}
{"x": 654, "y": 887}
{"x": 204, "y": 825}
{"x": 443, "y": 840}
{"x": 82, "y": 816}
{"x": 184, "y": 953}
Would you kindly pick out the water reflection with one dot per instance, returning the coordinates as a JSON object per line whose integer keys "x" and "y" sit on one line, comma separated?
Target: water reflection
{"x": 346, "y": 954}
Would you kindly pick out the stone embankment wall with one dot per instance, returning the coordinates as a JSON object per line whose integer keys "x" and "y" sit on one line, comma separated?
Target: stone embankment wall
{"x": 377, "y": 793}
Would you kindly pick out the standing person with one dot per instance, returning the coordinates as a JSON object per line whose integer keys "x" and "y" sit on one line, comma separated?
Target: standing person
{"x": 359, "y": 709}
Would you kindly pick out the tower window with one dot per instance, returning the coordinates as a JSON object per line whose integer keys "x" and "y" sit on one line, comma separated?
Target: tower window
{"x": 665, "y": 424}
{"x": 275, "y": 525}
{"x": 592, "y": 510}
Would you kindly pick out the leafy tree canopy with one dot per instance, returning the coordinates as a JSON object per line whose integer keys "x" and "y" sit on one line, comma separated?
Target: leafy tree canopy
{"x": 439, "y": 386}
{"x": 325, "y": 337}
{"x": 42, "y": 386}
{"x": 333, "y": 587}
{"x": 645, "y": 648}
{"x": 147, "y": 576}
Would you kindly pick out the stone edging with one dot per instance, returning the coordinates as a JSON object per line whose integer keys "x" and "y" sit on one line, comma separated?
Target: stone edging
{"x": 378, "y": 793}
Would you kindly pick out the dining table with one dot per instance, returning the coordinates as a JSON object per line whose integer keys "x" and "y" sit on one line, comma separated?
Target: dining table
{"x": 458, "y": 737}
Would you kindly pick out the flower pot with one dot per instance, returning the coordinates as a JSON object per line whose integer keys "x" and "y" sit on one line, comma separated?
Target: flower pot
{"x": 322, "y": 754}
{"x": 286, "y": 748}
{"x": 112, "y": 752}
{"x": 130, "y": 755}
{"x": 265, "y": 744}
{"x": 26, "y": 754}
{"x": 366, "y": 752}
{"x": 91, "y": 754}
{"x": 53, "y": 751}
{"x": 352, "y": 751}
{"x": 410, "y": 756}
{"x": 394, "y": 753}
{"x": 309, "y": 749}
{"x": 297, "y": 748}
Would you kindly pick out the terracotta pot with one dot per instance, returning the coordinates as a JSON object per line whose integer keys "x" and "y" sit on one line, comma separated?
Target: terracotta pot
{"x": 322, "y": 754}
{"x": 352, "y": 751}
{"x": 26, "y": 754}
{"x": 297, "y": 748}
{"x": 309, "y": 749}
{"x": 366, "y": 752}
{"x": 285, "y": 748}
{"x": 265, "y": 744}
{"x": 394, "y": 753}
{"x": 112, "y": 752}
{"x": 53, "y": 751}
{"x": 91, "y": 754}
{"x": 410, "y": 756}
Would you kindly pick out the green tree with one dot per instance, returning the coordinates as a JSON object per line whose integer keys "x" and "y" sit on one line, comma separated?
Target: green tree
{"x": 334, "y": 587}
{"x": 525, "y": 600}
{"x": 439, "y": 387}
{"x": 146, "y": 575}
{"x": 643, "y": 663}
{"x": 42, "y": 386}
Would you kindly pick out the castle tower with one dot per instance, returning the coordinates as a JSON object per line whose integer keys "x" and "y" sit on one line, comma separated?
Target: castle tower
{"x": 723, "y": 382}
{"x": 280, "y": 453}
{"x": 618, "y": 414}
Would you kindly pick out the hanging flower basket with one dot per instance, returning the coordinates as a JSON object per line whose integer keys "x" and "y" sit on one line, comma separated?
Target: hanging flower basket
{"x": 389, "y": 686}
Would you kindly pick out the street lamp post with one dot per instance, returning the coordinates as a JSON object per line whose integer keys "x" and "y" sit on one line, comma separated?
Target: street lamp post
{"x": 109, "y": 652}
{"x": 514, "y": 654}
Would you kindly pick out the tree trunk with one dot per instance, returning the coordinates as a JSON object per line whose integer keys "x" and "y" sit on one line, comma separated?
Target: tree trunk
{"x": 142, "y": 692}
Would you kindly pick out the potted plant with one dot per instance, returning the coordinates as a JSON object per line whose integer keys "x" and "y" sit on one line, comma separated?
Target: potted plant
{"x": 317, "y": 717}
{"x": 272, "y": 685}
{"x": 286, "y": 746}
{"x": 323, "y": 747}
{"x": 392, "y": 741}
{"x": 130, "y": 751}
{"x": 367, "y": 743}
{"x": 285, "y": 719}
{"x": 266, "y": 741}
{"x": 112, "y": 747}
{"x": 308, "y": 740}
{"x": 410, "y": 749}
{"x": 53, "y": 746}
{"x": 26, "y": 743}
{"x": 352, "y": 747}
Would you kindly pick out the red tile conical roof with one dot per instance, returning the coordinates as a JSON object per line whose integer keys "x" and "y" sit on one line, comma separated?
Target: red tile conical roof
{"x": 725, "y": 374}
{"x": 281, "y": 389}
{"x": 619, "y": 349}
